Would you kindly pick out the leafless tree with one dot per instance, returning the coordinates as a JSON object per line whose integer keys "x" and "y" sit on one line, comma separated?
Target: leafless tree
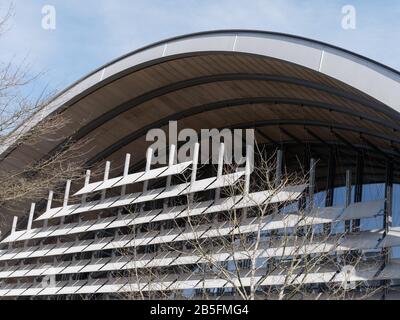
{"x": 271, "y": 249}
{"x": 18, "y": 110}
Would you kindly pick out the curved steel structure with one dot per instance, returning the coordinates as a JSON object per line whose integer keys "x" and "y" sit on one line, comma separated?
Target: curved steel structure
{"x": 241, "y": 69}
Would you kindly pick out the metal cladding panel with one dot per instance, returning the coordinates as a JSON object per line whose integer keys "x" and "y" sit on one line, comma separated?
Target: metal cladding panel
{"x": 79, "y": 246}
{"x": 22, "y": 271}
{"x": 10, "y": 254}
{"x": 5, "y": 289}
{"x": 329, "y": 213}
{"x": 113, "y": 286}
{"x": 151, "y": 174}
{"x": 32, "y": 234}
{"x": 200, "y": 185}
{"x": 109, "y": 183}
{"x": 134, "y": 60}
{"x": 92, "y": 286}
{"x": 66, "y": 211}
{"x": 197, "y": 208}
{"x": 392, "y": 238}
{"x": 101, "y": 224}
{"x": 176, "y": 169}
{"x": 28, "y": 234}
{"x": 104, "y": 204}
{"x": 127, "y": 200}
{"x": 81, "y": 227}
{"x": 46, "y": 232}
{"x": 223, "y": 42}
{"x": 89, "y": 188}
{"x": 38, "y": 271}
{"x": 65, "y": 229}
{"x": 363, "y": 209}
{"x": 147, "y": 216}
{"x": 293, "y": 50}
{"x": 64, "y": 288}
{"x": 7, "y": 271}
{"x": 18, "y": 290}
{"x": 129, "y": 179}
{"x": 61, "y": 248}
{"x": 119, "y": 242}
{"x": 226, "y": 180}
{"x": 116, "y": 263}
{"x": 148, "y": 196}
{"x": 123, "y": 221}
{"x": 34, "y": 290}
{"x": 26, "y": 253}
{"x": 98, "y": 244}
{"x": 363, "y": 75}
{"x": 75, "y": 267}
{"x": 84, "y": 207}
{"x": 364, "y": 240}
{"x": 14, "y": 236}
{"x": 290, "y": 193}
{"x": 95, "y": 265}
{"x": 58, "y": 268}
{"x": 391, "y": 270}
{"x": 173, "y": 191}
{"x": 42, "y": 250}
{"x": 48, "y": 214}
{"x": 72, "y": 287}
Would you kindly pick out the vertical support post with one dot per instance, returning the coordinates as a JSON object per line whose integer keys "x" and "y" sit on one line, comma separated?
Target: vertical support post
{"x": 66, "y": 197}
{"x": 387, "y": 218}
{"x": 66, "y": 194}
{"x": 14, "y": 225}
{"x": 278, "y": 173}
{"x": 247, "y": 175}
{"x": 311, "y": 187}
{"x": 126, "y": 172}
{"x": 106, "y": 175}
{"x": 330, "y": 186}
{"x": 247, "y": 170}
{"x": 220, "y": 168}
{"x": 308, "y": 230}
{"x": 306, "y": 164}
{"x": 195, "y": 163}
{"x": 87, "y": 180}
{"x": 347, "y": 223}
{"x": 194, "y": 168}
{"x": 149, "y": 156}
{"x": 49, "y": 200}
{"x": 171, "y": 161}
{"x": 30, "y": 219}
{"x": 48, "y": 207}
{"x": 358, "y": 188}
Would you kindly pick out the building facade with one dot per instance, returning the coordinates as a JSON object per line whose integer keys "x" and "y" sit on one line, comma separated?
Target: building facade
{"x": 328, "y": 116}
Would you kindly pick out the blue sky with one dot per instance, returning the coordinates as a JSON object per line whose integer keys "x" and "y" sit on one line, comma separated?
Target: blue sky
{"x": 90, "y": 33}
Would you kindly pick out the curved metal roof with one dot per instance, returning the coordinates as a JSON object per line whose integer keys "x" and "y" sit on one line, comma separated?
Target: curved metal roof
{"x": 222, "y": 72}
